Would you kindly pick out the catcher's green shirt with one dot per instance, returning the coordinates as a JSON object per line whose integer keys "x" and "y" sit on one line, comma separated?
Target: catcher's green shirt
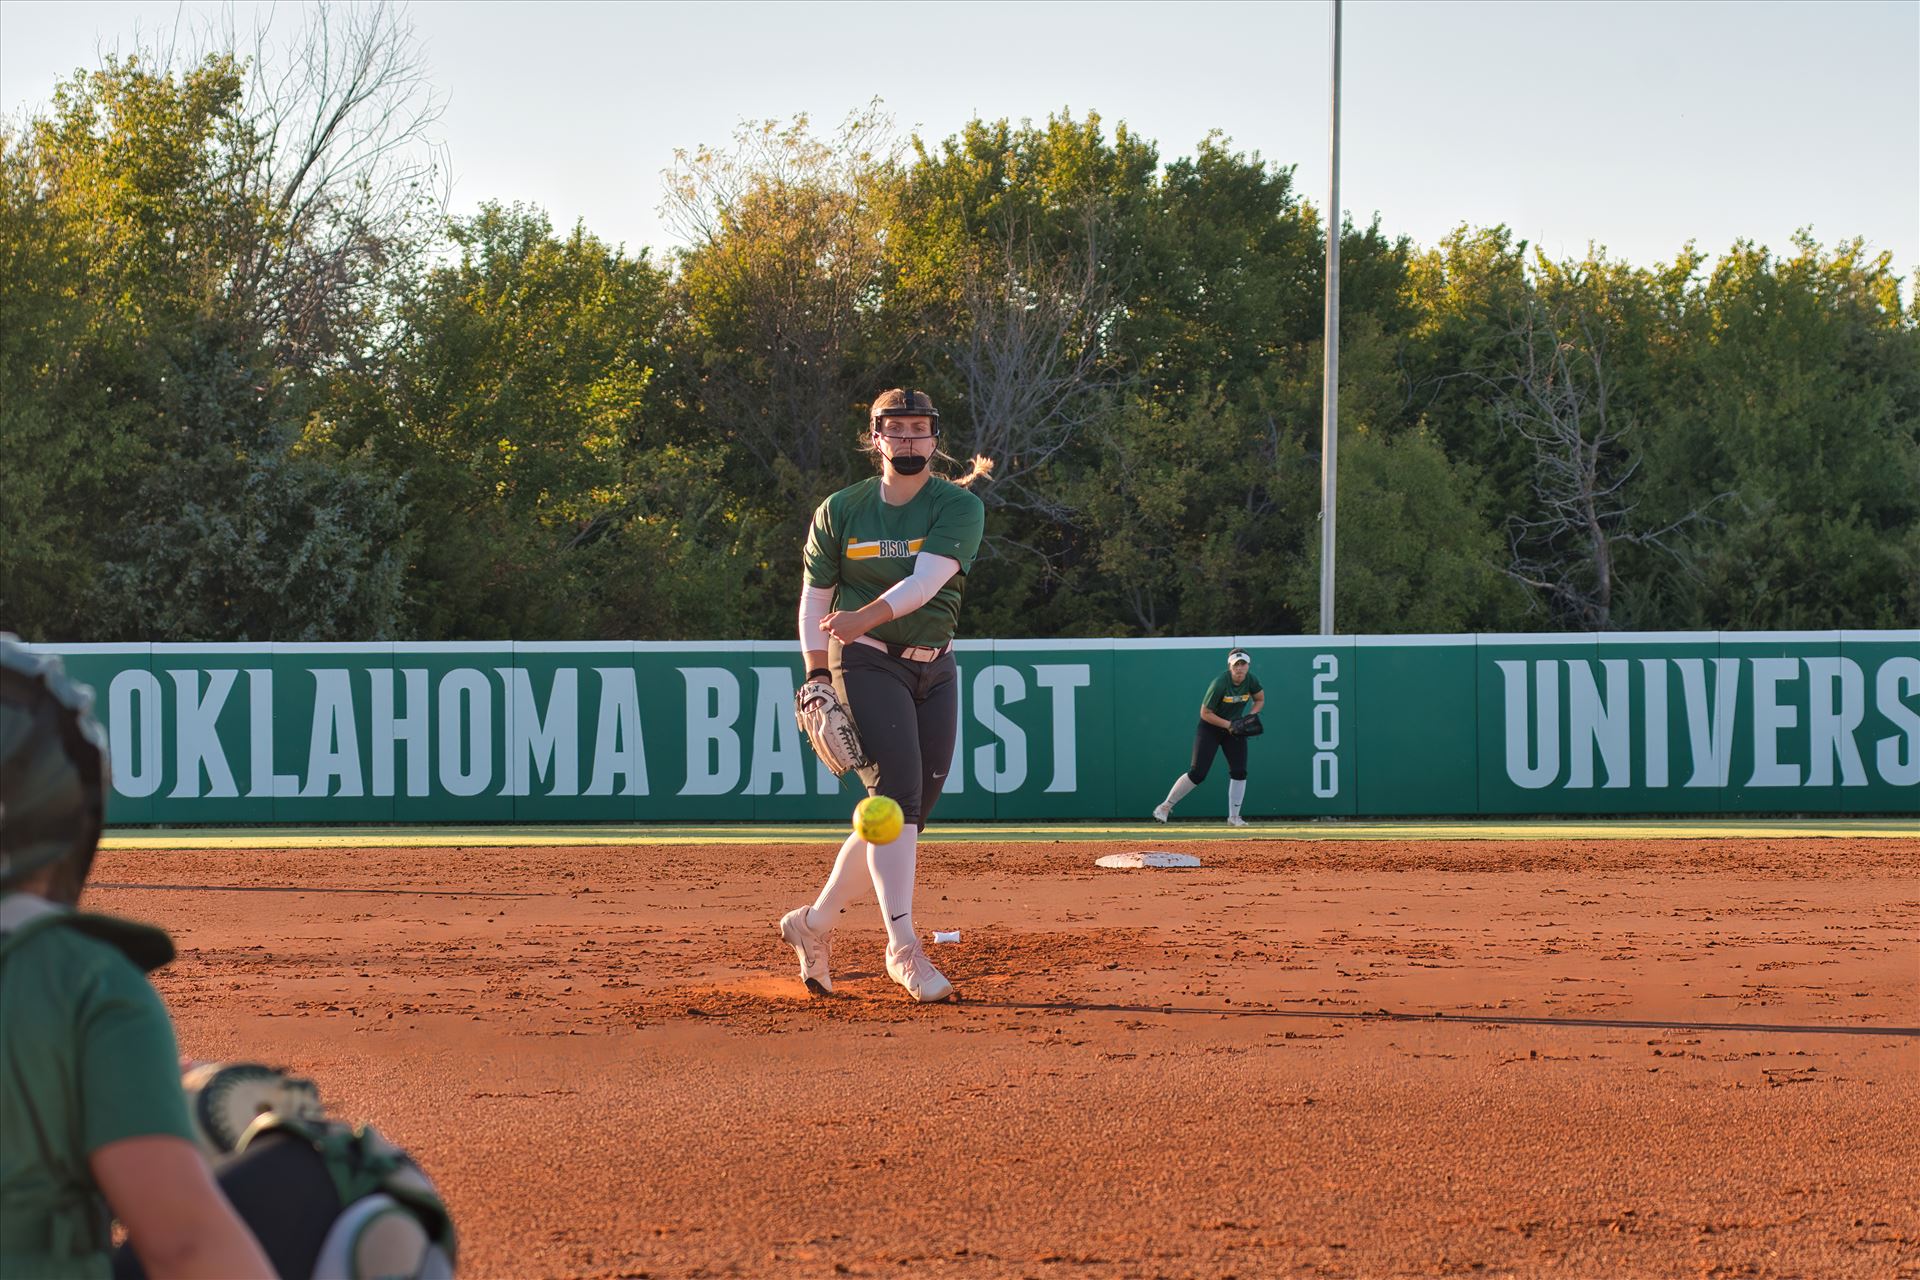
{"x": 860, "y": 546}
{"x": 1228, "y": 700}
{"x": 87, "y": 1058}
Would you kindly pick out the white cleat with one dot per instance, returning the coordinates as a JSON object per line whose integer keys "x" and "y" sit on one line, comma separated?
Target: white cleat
{"x": 910, "y": 967}
{"x": 1235, "y": 820}
{"x": 1163, "y": 813}
{"x": 813, "y": 947}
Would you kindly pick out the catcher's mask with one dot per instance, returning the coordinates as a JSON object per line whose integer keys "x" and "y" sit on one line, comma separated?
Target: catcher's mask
{"x": 53, "y": 771}
{"x": 899, "y": 403}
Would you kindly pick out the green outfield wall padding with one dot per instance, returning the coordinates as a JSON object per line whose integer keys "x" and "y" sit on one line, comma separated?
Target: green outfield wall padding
{"x": 1357, "y": 726}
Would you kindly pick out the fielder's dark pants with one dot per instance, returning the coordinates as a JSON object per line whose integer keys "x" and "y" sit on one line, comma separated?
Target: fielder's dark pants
{"x": 907, "y": 713}
{"x": 1209, "y": 738}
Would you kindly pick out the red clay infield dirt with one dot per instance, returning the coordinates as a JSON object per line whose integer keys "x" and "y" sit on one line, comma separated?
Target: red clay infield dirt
{"x": 604, "y": 1057}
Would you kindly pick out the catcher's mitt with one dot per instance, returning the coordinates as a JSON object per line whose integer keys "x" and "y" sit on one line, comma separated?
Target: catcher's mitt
{"x": 1249, "y": 726}
{"x": 224, "y": 1098}
{"x": 829, "y": 728}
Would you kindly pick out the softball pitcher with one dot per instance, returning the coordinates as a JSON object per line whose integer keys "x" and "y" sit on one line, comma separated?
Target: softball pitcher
{"x": 886, "y": 565}
{"x": 1229, "y": 715}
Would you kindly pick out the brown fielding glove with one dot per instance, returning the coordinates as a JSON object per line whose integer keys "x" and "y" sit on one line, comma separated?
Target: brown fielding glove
{"x": 829, "y": 728}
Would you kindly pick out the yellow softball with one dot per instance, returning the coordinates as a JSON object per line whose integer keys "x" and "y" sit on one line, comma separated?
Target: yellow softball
{"x": 877, "y": 820}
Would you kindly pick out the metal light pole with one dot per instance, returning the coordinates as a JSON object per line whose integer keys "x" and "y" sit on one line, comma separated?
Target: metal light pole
{"x": 1330, "y": 395}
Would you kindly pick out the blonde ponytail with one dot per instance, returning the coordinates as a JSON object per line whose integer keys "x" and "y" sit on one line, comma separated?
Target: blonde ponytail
{"x": 981, "y": 469}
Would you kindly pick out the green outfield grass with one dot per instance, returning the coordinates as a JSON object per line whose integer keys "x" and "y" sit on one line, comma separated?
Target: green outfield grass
{"x": 1144, "y": 832}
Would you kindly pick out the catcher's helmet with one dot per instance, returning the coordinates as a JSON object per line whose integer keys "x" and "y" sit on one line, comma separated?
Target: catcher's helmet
{"x": 898, "y": 403}
{"x": 53, "y": 768}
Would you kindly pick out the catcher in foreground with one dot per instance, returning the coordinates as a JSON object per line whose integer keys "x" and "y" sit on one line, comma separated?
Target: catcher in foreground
{"x": 235, "y": 1172}
{"x": 1229, "y": 715}
{"x": 886, "y": 563}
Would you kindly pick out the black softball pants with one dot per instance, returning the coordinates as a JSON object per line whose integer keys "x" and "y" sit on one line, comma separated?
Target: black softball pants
{"x": 907, "y": 713}
{"x": 1209, "y": 738}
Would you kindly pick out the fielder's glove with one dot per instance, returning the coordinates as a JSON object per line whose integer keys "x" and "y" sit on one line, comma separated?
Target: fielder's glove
{"x": 1249, "y": 726}
{"x": 829, "y": 728}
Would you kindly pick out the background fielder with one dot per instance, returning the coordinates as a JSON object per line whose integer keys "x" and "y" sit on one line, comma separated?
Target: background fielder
{"x": 1229, "y": 709}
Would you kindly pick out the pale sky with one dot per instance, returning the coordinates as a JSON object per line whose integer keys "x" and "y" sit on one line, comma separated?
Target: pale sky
{"x": 1639, "y": 126}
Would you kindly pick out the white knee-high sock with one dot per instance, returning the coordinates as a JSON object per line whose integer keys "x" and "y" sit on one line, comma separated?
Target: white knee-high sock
{"x": 1236, "y": 792}
{"x": 1181, "y": 785}
{"x": 892, "y": 865}
{"x": 843, "y": 885}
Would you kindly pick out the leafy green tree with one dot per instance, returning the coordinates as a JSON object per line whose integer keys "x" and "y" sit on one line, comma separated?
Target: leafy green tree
{"x": 108, "y": 210}
{"x": 1188, "y": 526}
{"x": 268, "y": 538}
{"x": 1414, "y": 554}
{"x": 777, "y": 293}
{"x": 256, "y": 388}
{"x": 548, "y": 494}
{"x": 1236, "y": 286}
{"x": 191, "y": 298}
{"x": 1468, "y": 295}
{"x": 1017, "y": 257}
{"x": 56, "y": 431}
{"x": 1803, "y": 396}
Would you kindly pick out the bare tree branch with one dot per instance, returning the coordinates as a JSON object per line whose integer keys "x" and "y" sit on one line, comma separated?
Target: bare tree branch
{"x": 1030, "y": 348}
{"x": 1558, "y": 396}
{"x": 338, "y": 169}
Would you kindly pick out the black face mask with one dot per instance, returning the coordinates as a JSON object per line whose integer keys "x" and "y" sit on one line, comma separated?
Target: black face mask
{"x": 910, "y": 464}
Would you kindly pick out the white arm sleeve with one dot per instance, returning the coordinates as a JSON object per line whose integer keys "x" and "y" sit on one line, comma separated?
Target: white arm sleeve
{"x": 930, "y": 573}
{"x": 815, "y": 604}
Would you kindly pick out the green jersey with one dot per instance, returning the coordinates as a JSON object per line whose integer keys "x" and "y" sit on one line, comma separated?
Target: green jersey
{"x": 1228, "y": 700}
{"x": 87, "y": 1058}
{"x": 860, "y": 546}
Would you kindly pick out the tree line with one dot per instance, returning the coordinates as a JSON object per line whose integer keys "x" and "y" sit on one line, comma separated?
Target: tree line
{"x": 255, "y": 384}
